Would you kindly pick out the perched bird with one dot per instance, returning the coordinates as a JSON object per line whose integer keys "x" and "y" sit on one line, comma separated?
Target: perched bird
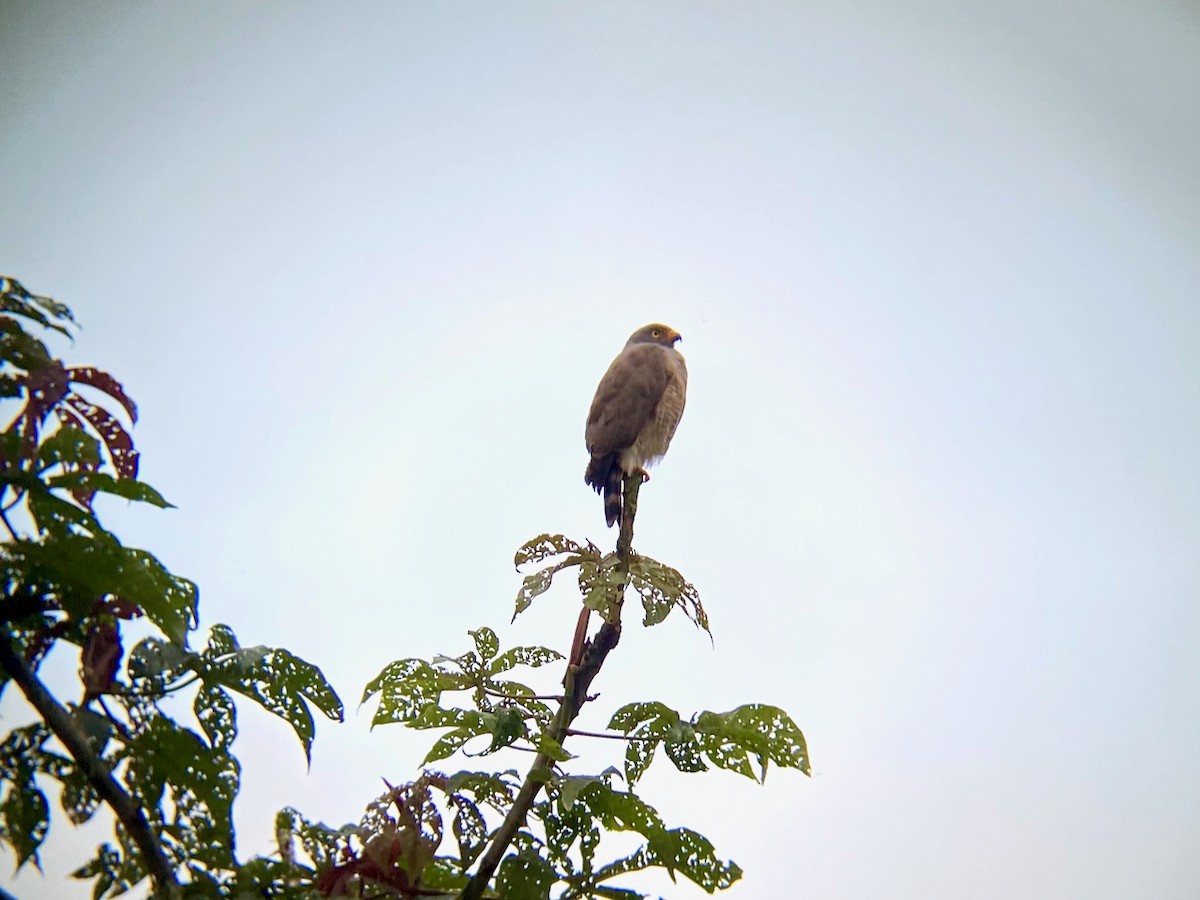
{"x": 636, "y": 410}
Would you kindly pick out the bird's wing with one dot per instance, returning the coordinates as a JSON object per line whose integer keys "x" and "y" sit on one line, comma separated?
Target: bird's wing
{"x": 626, "y": 398}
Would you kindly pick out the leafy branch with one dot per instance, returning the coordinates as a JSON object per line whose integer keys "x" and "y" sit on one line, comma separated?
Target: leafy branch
{"x": 576, "y": 685}
{"x": 98, "y": 774}
{"x": 68, "y": 580}
{"x": 515, "y": 861}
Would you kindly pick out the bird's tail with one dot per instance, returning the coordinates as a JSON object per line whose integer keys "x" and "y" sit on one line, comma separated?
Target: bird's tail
{"x": 612, "y": 496}
{"x": 605, "y": 475}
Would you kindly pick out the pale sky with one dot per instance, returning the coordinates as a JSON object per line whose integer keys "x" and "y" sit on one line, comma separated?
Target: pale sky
{"x": 937, "y": 268}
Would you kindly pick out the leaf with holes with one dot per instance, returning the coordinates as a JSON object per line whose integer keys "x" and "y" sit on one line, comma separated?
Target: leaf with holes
{"x": 525, "y": 876}
{"x": 14, "y": 298}
{"x": 539, "y": 582}
{"x": 69, "y": 446}
{"x": 116, "y": 439}
{"x": 545, "y": 546}
{"x": 217, "y": 715}
{"x": 200, "y": 783}
{"x": 663, "y": 588}
{"x": 470, "y": 829}
{"x": 24, "y": 819}
{"x": 280, "y": 682}
{"x": 765, "y": 732}
{"x": 486, "y": 643}
{"x": 105, "y": 383}
{"x": 84, "y": 568}
{"x": 523, "y": 656}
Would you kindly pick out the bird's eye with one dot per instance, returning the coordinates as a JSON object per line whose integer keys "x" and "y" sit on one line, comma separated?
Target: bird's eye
{"x": 656, "y": 333}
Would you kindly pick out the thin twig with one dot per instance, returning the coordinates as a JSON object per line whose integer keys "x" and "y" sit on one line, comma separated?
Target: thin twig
{"x": 495, "y": 693}
{"x": 612, "y": 736}
{"x": 98, "y": 774}
{"x": 575, "y": 694}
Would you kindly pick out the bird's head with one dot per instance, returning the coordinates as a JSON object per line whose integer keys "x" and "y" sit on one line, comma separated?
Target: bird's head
{"x": 656, "y": 333}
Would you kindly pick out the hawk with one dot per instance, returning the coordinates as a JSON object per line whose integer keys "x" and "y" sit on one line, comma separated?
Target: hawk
{"x": 636, "y": 410}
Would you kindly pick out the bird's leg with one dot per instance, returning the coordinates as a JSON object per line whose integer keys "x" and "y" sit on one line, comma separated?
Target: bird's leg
{"x": 643, "y": 473}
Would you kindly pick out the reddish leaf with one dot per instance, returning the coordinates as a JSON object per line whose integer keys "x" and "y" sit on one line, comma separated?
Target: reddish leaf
{"x": 336, "y": 882}
{"x": 100, "y": 658}
{"x": 114, "y": 435}
{"x": 102, "y": 381}
{"x": 45, "y": 388}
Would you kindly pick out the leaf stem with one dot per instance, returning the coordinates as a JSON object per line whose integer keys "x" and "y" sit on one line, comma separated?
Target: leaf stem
{"x": 610, "y": 735}
{"x": 97, "y": 771}
{"x": 496, "y": 693}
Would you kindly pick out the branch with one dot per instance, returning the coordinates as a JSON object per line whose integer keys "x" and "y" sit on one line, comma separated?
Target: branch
{"x": 98, "y": 774}
{"x": 574, "y": 696}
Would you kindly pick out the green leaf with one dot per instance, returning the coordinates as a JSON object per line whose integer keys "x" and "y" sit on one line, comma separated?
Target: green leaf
{"x": 685, "y": 754}
{"x": 217, "y": 716}
{"x": 766, "y": 732}
{"x": 277, "y": 680}
{"x": 53, "y": 516}
{"x": 14, "y": 298}
{"x": 85, "y": 568}
{"x": 406, "y": 688}
{"x": 602, "y": 585}
{"x": 506, "y": 725}
{"x": 26, "y": 819}
{"x": 79, "y": 799}
{"x": 539, "y": 582}
{"x": 102, "y": 482}
{"x": 523, "y": 656}
{"x": 649, "y": 722}
{"x": 70, "y": 446}
{"x": 545, "y": 546}
{"x": 652, "y": 719}
{"x": 486, "y": 643}
{"x": 662, "y": 589}
{"x": 676, "y": 850}
{"x": 109, "y": 870}
{"x": 20, "y": 348}
{"x": 552, "y": 748}
{"x": 452, "y": 741}
{"x": 638, "y": 756}
{"x": 525, "y": 876}
{"x": 470, "y": 829}
{"x": 201, "y": 782}
{"x": 692, "y": 854}
{"x": 488, "y": 787}
{"x": 159, "y": 660}
{"x": 570, "y": 787}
